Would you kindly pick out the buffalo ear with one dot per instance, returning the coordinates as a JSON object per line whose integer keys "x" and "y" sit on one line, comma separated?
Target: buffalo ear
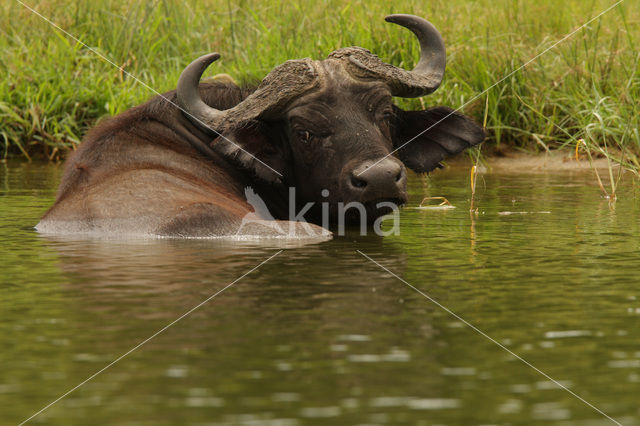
{"x": 448, "y": 133}
{"x": 256, "y": 148}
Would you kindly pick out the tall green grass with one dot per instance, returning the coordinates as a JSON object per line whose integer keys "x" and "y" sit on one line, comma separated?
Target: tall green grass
{"x": 54, "y": 88}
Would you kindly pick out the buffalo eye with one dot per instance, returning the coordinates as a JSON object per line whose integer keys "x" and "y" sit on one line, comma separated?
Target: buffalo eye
{"x": 385, "y": 119}
{"x": 305, "y": 135}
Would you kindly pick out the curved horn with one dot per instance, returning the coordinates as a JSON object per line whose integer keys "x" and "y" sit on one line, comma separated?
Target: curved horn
{"x": 433, "y": 58}
{"x": 200, "y": 114}
{"x": 280, "y": 86}
{"x": 422, "y": 80}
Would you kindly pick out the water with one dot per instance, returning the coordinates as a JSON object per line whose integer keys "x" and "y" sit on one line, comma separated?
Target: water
{"x": 321, "y": 335}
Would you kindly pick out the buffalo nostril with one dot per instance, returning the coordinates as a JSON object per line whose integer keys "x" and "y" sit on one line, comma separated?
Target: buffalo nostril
{"x": 357, "y": 182}
{"x": 399, "y": 176}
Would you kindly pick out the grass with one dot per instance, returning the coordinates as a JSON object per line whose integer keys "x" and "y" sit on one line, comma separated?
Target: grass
{"x": 53, "y": 88}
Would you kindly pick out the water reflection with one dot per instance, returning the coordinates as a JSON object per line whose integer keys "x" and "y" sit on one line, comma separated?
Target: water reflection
{"x": 320, "y": 335}
{"x": 134, "y": 270}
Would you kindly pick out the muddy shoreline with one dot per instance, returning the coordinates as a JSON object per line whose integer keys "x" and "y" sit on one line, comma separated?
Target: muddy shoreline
{"x": 554, "y": 161}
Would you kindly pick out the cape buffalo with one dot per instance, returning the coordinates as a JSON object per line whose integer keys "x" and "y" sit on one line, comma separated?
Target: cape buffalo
{"x": 181, "y": 164}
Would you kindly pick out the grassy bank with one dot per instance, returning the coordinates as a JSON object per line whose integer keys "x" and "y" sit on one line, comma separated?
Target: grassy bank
{"x": 54, "y": 88}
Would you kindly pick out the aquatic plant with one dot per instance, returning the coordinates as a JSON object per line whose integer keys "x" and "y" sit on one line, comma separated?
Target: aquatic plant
{"x": 54, "y": 88}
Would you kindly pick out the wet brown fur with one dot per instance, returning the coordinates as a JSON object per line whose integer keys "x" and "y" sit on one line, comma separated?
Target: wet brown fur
{"x": 153, "y": 137}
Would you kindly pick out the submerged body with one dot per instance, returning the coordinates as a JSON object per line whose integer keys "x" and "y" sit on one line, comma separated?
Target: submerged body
{"x": 138, "y": 174}
{"x": 196, "y": 162}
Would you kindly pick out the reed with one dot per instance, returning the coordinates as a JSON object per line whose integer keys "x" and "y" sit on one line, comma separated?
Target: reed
{"x": 586, "y": 88}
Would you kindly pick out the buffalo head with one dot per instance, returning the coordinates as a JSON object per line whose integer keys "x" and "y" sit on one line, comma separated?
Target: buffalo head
{"x": 328, "y": 127}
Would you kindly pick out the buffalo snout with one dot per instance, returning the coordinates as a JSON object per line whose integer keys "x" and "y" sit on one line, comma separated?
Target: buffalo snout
{"x": 375, "y": 180}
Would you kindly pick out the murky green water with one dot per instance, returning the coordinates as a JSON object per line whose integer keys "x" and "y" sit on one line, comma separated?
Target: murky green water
{"x": 321, "y": 335}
